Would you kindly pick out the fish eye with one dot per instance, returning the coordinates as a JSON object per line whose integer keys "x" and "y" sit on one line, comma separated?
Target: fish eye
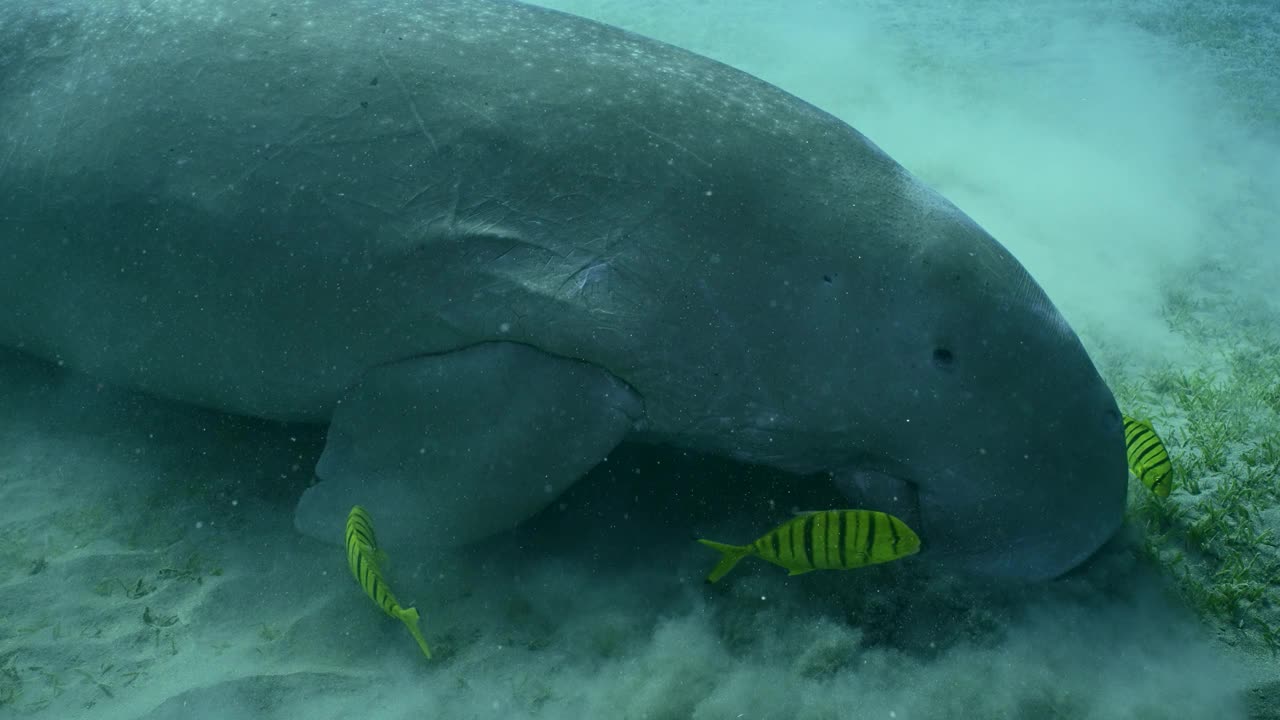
{"x": 943, "y": 357}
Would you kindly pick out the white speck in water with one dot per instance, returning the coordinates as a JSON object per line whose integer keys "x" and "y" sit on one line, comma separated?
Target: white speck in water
{"x": 504, "y": 328}
{"x": 199, "y": 524}
{"x": 235, "y": 503}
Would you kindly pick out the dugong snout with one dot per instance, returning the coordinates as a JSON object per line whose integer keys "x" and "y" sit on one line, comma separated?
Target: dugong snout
{"x": 1031, "y": 478}
{"x": 971, "y": 406}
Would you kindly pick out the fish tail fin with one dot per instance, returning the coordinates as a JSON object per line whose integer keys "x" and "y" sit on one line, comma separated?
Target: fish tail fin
{"x": 410, "y": 619}
{"x": 732, "y": 554}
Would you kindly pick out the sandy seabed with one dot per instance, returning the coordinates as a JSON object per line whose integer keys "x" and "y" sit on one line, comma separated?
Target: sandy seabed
{"x": 151, "y": 570}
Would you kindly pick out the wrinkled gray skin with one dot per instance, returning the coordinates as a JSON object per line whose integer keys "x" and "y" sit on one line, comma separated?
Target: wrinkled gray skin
{"x": 249, "y": 205}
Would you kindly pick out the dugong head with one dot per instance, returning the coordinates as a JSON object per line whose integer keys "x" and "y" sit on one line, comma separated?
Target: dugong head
{"x": 934, "y": 379}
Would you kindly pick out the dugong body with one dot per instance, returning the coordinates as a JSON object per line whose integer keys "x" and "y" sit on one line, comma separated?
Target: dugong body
{"x": 488, "y": 241}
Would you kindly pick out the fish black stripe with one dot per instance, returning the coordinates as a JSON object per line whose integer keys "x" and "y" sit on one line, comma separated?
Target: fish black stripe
{"x": 800, "y": 543}
{"x": 1156, "y": 466}
{"x": 775, "y": 546}
{"x": 356, "y": 536}
{"x": 855, "y": 521}
{"x": 796, "y": 530}
{"x": 791, "y": 542}
{"x": 1134, "y": 438}
{"x": 1155, "y": 474}
{"x": 806, "y": 544}
{"x": 871, "y": 536}
{"x": 815, "y": 540}
{"x": 811, "y": 540}
{"x": 1155, "y": 453}
{"x": 893, "y": 530}
{"x": 843, "y": 520}
{"x": 832, "y": 540}
{"x": 1136, "y": 459}
{"x": 823, "y": 538}
{"x": 1134, "y": 433}
{"x": 1144, "y": 444}
{"x": 819, "y": 540}
{"x": 818, "y": 528}
{"x": 1138, "y": 433}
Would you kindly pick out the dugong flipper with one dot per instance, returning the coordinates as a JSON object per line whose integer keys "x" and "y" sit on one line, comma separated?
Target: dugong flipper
{"x": 484, "y": 437}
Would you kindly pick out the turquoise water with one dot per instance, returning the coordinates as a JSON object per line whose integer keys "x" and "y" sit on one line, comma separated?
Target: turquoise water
{"x": 1128, "y": 156}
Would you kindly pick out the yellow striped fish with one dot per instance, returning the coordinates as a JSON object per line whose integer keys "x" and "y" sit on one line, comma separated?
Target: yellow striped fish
{"x": 825, "y": 540}
{"x": 1148, "y": 459}
{"x": 364, "y": 557}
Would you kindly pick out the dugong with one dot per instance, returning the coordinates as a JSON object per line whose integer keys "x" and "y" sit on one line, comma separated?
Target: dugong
{"x": 486, "y": 242}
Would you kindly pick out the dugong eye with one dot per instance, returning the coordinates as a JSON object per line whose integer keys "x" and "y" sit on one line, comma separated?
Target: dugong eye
{"x": 942, "y": 357}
